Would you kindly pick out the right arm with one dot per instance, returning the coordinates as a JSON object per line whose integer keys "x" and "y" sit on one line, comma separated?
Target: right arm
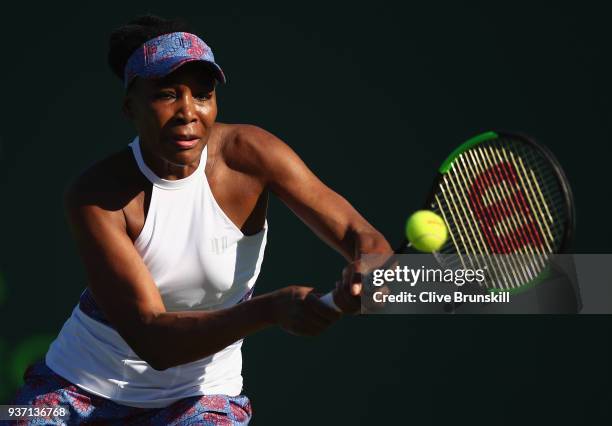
{"x": 125, "y": 291}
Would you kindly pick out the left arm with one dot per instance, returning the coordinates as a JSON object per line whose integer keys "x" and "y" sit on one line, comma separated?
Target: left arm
{"x": 327, "y": 213}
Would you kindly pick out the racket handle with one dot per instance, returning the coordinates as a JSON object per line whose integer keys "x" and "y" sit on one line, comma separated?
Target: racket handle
{"x": 328, "y": 299}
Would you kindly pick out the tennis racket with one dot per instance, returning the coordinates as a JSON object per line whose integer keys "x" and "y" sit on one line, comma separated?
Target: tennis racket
{"x": 508, "y": 208}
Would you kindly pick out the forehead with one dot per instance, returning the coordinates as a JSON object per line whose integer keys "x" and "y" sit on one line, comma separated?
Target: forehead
{"x": 195, "y": 74}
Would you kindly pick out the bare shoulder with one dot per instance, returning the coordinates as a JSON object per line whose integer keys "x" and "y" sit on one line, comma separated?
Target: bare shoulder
{"x": 250, "y": 149}
{"x": 254, "y": 151}
{"x": 106, "y": 183}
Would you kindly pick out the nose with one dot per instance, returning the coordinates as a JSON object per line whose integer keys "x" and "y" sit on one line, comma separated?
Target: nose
{"x": 186, "y": 112}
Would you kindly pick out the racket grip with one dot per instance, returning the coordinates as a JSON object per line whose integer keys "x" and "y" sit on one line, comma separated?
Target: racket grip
{"x": 328, "y": 299}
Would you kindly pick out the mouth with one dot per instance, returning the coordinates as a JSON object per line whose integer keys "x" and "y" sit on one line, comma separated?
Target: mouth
{"x": 184, "y": 141}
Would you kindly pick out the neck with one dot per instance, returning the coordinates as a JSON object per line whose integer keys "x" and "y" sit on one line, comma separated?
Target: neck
{"x": 166, "y": 169}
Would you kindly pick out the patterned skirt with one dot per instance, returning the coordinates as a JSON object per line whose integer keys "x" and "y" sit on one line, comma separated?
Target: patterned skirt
{"x": 44, "y": 388}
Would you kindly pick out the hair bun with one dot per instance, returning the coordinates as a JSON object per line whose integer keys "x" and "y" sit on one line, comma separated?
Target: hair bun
{"x": 127, "y": 38}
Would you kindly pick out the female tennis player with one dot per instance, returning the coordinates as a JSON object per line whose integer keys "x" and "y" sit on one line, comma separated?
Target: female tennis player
{"x": 172, "y": 231}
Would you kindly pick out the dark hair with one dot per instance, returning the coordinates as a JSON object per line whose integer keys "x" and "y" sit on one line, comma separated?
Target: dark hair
{"x": 127, "y": 38}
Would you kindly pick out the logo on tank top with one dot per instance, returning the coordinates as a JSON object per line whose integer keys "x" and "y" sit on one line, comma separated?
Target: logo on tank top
{"x": 218, "y": 244}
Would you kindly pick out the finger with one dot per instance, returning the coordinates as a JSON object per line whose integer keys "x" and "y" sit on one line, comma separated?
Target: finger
{"x": 350, "y": 277}
{"x": 344, "y": 300}
{"x": 345, "y": 292}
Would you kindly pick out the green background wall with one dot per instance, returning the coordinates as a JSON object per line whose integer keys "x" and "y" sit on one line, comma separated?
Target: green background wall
{"x": 372, "y": 99}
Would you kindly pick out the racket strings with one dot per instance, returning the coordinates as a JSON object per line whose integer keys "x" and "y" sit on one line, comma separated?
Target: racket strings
{"x": 529, "y": 181}
{"x": 508, "y": 274}
{"x": 459, "y": 218}
{"x": 500, "y": 215}
{"x": 474, "y": 233}
{"x": 458, "y": 231}
{"x": 549, "y": 190}
{"x": 483, "y": 179}
{"x": 537, "y": 246}
{"x": 503, "y": 209}
{"x": 525, "y": 237}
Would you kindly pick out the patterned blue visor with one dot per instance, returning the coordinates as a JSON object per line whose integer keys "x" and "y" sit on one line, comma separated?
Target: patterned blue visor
{"x": 161, "y": 55}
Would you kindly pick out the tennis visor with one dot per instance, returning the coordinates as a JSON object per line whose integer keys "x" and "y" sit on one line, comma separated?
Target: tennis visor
{"x": 161, "y": 55}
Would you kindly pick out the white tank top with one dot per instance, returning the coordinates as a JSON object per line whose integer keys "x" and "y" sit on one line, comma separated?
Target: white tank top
{"x": 199, "y": 260}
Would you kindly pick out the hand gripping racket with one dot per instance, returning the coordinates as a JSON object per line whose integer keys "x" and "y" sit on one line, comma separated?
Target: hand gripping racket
{"x": 507, "y": 206}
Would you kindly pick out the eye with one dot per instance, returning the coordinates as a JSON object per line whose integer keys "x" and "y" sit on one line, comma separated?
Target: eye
{"x": 165, "y": 95}
{"x": 203, "y": 96}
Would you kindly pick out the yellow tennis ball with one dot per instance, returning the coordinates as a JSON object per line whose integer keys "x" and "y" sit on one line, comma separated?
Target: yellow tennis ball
{"x": 426, "y": 231}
